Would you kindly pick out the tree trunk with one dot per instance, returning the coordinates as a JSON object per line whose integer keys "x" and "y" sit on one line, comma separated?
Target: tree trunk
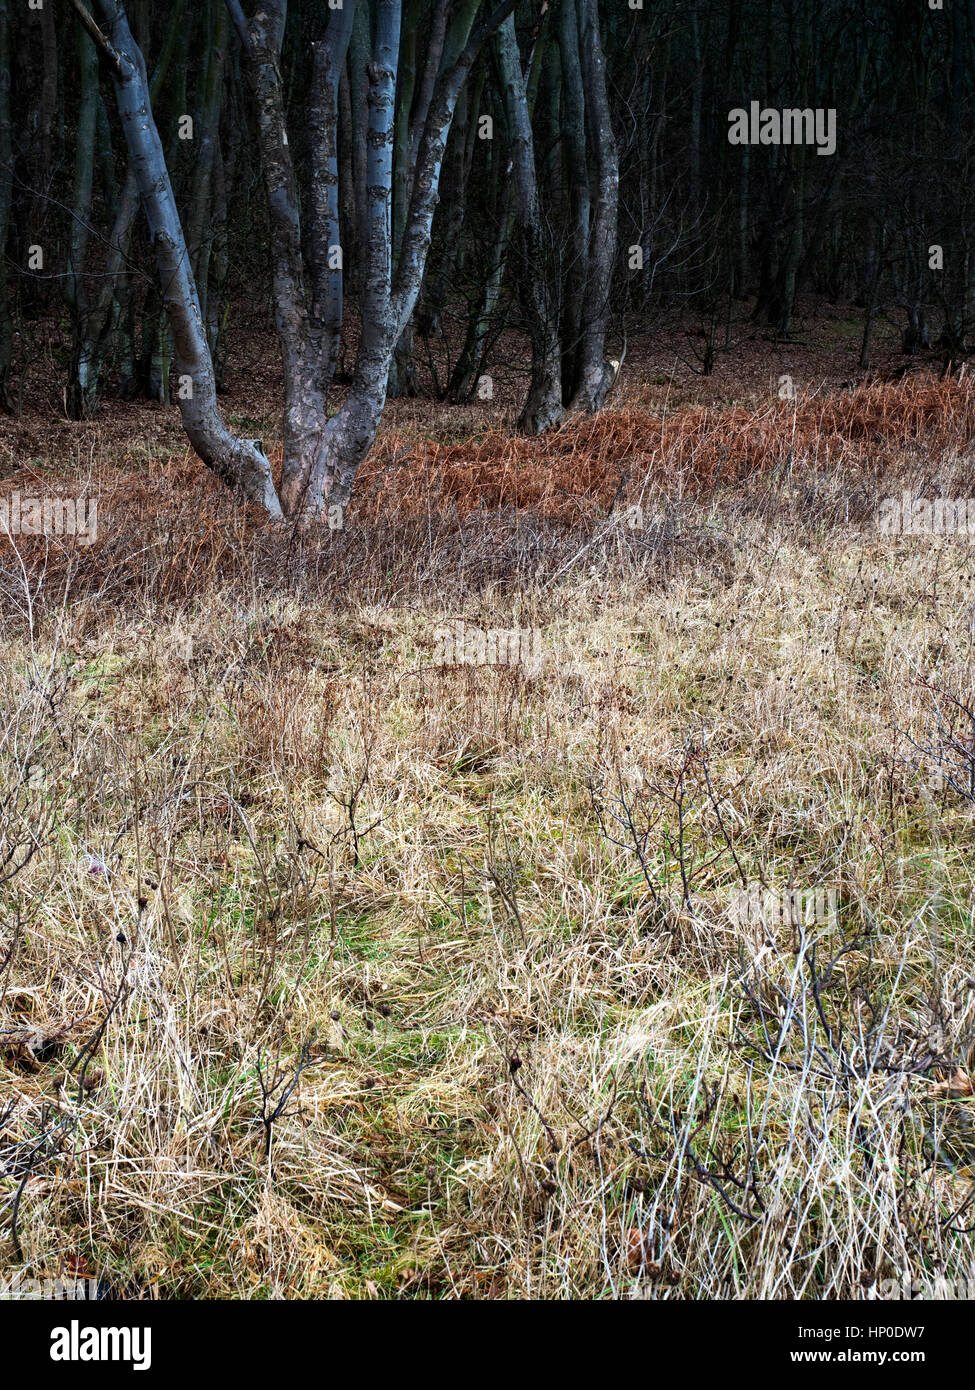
{"x": 543, "y": 408}
{"x": 450, "y": 226}
{"x": 464, "y": 377}
{"x": 84, "y": 176}
{"x": 6, "y": 192}
{"x": 402, "y": 376}
{"x": 238, "y": 462}
{"x": 308, "y": 324}
{"x": 577, "y": 248}
{"x": 387, "y": 309}
{"x": 594, "y": 376}
{"x": 200, "y": 220}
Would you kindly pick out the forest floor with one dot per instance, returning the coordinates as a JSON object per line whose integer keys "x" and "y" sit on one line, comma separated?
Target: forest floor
{"x": 332, "y": 965}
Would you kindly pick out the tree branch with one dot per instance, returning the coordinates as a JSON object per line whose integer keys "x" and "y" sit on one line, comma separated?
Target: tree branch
{"x": 240, "y": 23}
{"x": 111, "y": 54}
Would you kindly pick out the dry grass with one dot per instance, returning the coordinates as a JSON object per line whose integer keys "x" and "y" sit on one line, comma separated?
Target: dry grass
{"x": 331, "y": 971}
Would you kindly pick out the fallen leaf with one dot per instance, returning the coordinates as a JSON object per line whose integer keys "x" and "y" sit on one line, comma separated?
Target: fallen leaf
{"x": 960, "y": 1084}
{"x": 636, "y": 1254}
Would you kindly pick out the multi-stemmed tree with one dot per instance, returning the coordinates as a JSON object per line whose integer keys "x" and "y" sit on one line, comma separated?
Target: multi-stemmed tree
{"x": 321, "y": 451}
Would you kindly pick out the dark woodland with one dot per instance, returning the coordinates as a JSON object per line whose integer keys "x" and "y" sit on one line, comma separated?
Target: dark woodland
{"x": 377, "y": 176}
